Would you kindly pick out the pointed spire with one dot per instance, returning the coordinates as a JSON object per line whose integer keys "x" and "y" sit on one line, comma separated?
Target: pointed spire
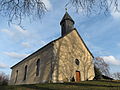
{"x": 67, "y": 23}
{"x": 66, "y": 17}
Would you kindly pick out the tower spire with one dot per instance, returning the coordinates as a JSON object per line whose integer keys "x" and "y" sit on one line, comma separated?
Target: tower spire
{"x": 67, "y": 23}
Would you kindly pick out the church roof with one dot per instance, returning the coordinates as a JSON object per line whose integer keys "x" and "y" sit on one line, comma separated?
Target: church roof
{"x": 67, "y": 17}
{"x": 52, "y": 43}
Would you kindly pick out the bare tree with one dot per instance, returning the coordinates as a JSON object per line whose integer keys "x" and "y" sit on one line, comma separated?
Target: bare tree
{"x": 94, "y": 6}
{"x": 116, "y": 75}
{"x": 102, "y": 66}
{"x": 17, "y": 10}
{"x": 4, "y": 79}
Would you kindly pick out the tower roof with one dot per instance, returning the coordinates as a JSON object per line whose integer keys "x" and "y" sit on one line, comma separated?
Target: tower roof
{"x": 66, "y": 17}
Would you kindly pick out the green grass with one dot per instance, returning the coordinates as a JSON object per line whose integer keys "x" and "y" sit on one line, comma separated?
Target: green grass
{"x": 86, "y": 85}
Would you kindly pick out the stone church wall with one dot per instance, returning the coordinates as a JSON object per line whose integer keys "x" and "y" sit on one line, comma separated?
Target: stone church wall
{"x": 45, "y": 55}
{"x": 68, "y": 49}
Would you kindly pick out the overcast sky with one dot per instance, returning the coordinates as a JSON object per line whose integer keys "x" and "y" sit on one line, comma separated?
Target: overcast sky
{"x": 100, "y": 33}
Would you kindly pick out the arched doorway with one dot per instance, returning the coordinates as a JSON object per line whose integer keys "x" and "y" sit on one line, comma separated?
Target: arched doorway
{"x": 78, "y": 76}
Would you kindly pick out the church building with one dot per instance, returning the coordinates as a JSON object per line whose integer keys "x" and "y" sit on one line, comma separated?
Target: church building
{"x": 66, "y": 59}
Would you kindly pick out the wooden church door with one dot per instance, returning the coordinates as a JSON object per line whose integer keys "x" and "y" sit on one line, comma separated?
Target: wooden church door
{"x": 78, "y": 76}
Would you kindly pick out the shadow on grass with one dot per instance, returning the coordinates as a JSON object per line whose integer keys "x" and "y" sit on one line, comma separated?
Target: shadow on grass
{"x": 107, "y": 84}
{"x": 85, "y": 85}
{"x": 91, "y": 85}
{"x": 109, "y": 81}
{"x": 36, "y": 87}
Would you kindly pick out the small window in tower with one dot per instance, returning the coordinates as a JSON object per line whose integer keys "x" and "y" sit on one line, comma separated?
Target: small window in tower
{"x": 38, "y": 67}
{"x": 77, "y": 61}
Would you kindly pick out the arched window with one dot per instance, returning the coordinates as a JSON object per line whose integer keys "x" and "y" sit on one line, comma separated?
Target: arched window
{"x": 38, "y": 67}
{"x": 25, "y": 73}
{"x": 16, "y": 76}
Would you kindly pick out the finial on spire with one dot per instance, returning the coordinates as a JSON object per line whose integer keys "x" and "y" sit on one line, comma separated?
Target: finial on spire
{"x": 66, "y": 9}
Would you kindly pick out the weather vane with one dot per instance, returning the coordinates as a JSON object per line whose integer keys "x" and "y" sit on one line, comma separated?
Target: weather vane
{"x": 66, "y": 9}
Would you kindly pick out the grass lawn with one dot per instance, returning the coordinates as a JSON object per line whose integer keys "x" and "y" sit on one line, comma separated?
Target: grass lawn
{"x": 86, "y": 85}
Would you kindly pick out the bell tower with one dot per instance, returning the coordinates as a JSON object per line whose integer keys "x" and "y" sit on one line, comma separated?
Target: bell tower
{"x": 67, "y": 24}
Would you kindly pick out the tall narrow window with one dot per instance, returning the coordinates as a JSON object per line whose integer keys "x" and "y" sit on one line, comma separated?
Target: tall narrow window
{"x": 25, "y": 73}
{"x": 38, "y": 67}
{"x": 16, "y": 76}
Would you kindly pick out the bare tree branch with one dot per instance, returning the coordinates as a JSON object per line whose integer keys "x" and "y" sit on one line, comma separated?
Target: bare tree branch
{"x": 116, "y": 75}
{"x": 102, "y": 66}
{"x": 17, "y": 10}
{"x": 94, "y": 6}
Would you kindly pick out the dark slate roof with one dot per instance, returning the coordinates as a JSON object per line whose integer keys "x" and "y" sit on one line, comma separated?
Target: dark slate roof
{"x": 106, "y": 77}
{"x": 52, "y": 43}
{"x": 66, "y": 17}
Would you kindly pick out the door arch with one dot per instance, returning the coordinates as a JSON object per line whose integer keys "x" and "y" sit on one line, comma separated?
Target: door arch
{"x": 78, "y": 76}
